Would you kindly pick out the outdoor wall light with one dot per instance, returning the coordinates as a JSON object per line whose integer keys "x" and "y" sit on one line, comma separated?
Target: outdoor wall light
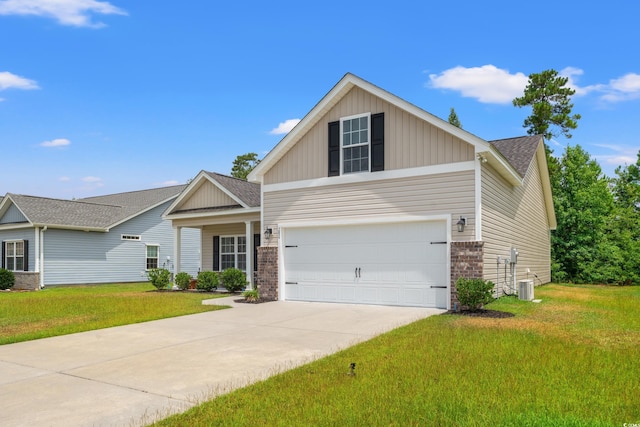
{"x": 267, "y": 233}
{"x": 461, "y": 223}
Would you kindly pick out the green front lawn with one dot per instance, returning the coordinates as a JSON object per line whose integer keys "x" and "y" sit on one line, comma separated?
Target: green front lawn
{"x": 571, "y": 360}
{"x": 65, "y": 310}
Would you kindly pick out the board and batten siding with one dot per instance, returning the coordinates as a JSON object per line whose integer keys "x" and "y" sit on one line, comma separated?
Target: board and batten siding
{"x": 23, "y": 234}
{"x": 421, "y": 196}
{"x": 12, "y": 216}
{"x": 78, "y": 257}
{"x": 205, "y": 196}
{"x": 409, "y": 141}
{"x": 515, "y": 217}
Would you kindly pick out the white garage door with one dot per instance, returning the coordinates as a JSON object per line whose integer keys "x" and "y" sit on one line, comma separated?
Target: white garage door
{"x": 387, "y": 264}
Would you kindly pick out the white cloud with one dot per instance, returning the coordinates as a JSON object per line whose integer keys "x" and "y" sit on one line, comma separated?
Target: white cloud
{"x": 618, "y": 155}
{"x": 169, "y": 183}
{"x": 488, "y": 84}
{"x": 284, "y": 127}
{"x": 64, "y": 179}
{"x": 92, "y": 179}
{"x": 76, "y": 13}
{"x": 624, "y": 88}
{"x": 12, "y": 81}
{"x": 58, "y": 143}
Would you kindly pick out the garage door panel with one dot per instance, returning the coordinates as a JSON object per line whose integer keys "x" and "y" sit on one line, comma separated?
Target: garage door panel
{"x": 392, "y": 264}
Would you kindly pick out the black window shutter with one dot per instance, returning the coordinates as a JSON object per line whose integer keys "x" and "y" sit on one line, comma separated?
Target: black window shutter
{"x": 216, "y": 253}
{"x": 3, "y": 254}
{"x": 256, "y": 243}
{"x": 334, "y": 149}
{"x": 25, "y": 259}
{"x": 377, "y": 142}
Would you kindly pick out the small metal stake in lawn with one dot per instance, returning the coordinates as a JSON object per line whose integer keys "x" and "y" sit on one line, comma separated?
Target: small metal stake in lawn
{"x": 352, "y": 369}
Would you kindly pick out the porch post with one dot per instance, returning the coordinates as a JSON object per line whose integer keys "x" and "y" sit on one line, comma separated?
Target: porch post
{"x": 177, "y": 249}
{"x": 249, "y": 252}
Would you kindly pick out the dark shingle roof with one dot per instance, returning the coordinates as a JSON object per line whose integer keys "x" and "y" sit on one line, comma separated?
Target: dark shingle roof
{"x": 518, "y": 151}
{"x": 248, "y": 192}
{"x": 101, "y": 212}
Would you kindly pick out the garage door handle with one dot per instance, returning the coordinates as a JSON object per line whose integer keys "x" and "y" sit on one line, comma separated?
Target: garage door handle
{"x": 438, "y": 243}
{"x": 438, "y": 287}
{"x": 290, "y": 283}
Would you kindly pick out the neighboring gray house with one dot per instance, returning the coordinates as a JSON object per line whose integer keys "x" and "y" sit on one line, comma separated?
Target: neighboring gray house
{"x": 105, "y": 239}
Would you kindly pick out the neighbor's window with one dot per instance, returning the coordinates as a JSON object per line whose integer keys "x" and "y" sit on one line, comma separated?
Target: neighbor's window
{"x": 233, "y": 252}
{"x": 355, "y": 144}
{"x": 153, "y": 252}
{"x": 14, "y": 255}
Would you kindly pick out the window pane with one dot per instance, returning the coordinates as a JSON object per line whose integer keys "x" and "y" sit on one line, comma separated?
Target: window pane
{"x": 152, "y": 251}
{"x": 363, "y": 123}
{"x": 19, "y": 264}
{"x": 347, "y": 166}
{"x": 10, "y": 264}
{"x": 242, "y": 262}
{"x": 228, "y": 261}
{"x": 227, "y": 245}
{"x": 364, "y": 164}
{"x": 346, "y": 140}
{"x": 364, "y": 151}
{"x": 355, "y": 138}
{"x": 19, "y": 248}
{"x": 11, "y": 248}
{"x": 346, "y": 126}
{"x": 242, "y": 244}
{"x": 355, "y": 124}
{"x": 152, "y": 263}
{"x": 364, "y": 136}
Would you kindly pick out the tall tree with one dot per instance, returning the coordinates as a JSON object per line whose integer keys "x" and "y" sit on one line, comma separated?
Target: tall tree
{"x": 244, "y": 164}
{"x": 453, "y": 119}
{"x": 581, "y": 251}
{"x": 551, "y": 103}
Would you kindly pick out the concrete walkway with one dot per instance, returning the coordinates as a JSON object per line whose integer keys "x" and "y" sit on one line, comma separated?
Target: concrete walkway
{"x": 132, "y": 375}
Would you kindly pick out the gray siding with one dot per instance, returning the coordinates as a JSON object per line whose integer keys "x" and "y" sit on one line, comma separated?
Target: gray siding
{"x": 23, "y": 234}
{"x": 75, "y": 257}
{"x": 515, "y": 217}
{"x": 443, "y": 194}
{"x": 13, "y": 215}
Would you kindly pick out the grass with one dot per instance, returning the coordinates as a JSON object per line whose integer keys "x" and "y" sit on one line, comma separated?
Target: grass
{"x": 572, "y": 360}
{"x": 65, "y": 310}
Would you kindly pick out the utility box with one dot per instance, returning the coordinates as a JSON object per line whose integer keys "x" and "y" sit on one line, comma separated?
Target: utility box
{"x": 525, "y": 290}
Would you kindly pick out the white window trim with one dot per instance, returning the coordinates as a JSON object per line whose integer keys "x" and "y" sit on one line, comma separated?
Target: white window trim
{"x": 146, "y": 255}
{"x": 235, "y": 250}
{"x": 368, "y": 144}
{"x": 6, "y": 255}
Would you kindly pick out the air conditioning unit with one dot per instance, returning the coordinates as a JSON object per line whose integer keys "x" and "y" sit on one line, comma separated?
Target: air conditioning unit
{"x": 525, "y": 290}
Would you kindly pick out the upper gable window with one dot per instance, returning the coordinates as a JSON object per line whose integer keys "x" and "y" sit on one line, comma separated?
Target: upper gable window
{"x": 355, "y": 140}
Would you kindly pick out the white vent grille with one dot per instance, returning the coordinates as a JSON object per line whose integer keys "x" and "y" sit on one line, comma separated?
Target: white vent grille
{"x": 134, "y": 237}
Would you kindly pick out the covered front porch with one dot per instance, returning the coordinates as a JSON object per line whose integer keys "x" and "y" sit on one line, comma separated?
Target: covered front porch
{"x": 226, "y": 210}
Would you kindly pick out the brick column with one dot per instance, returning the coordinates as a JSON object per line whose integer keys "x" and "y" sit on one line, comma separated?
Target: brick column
{"x": 467, "y": 262}
{"x": 268, "y": 272}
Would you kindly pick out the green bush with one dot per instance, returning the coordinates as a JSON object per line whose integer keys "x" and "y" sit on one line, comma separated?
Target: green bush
{"x": 474, "y": 292}
{"x": 7, "y": 279}
{"x": 251, "y": 295}
{"x": 182, "y": 280}
{"x": 234, "y": 279}
{"x": 208, "y": 281}
{"x": 160, "y": 278}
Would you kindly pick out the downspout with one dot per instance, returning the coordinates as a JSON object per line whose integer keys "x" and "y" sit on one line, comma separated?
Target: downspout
{"x": 42, "y": 256}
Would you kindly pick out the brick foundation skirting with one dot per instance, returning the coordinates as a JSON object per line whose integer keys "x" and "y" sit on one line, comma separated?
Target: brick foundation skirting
{"x": 467, "y": 262}
{"x": 27, "y": 280}
{"x": 267, "y": 276}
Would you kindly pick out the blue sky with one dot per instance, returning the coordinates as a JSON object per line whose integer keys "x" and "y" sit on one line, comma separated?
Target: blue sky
{"x": 101, "y": 97}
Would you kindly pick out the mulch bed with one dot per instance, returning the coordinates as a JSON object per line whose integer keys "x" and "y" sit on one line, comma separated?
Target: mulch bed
{"x": 494, "y": 314}
{"x": 256, "y": 301}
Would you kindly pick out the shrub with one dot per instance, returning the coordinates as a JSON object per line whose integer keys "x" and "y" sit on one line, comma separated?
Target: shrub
{"x": 7, "y": 279}
{"x": 160, "y": 278}
{"x": 474, "y": 292}
{"x": 234, "y": 279}
{"x": 207, "y": 281}
{"x": 251, "y": 295}
{"x": 182, "y": 280}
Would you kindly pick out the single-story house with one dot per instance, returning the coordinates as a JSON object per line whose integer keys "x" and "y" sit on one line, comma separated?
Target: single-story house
{"x": 106, "y": 239}
{"x": 372, "y": 200}
{"x": 226, "y": 211}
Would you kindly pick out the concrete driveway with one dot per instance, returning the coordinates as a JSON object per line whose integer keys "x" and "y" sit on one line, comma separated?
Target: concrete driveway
{"x": 132, "y": 375}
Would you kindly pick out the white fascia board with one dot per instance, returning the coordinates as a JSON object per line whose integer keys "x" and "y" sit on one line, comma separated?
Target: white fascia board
{"x": 541, "y": 157}
{"x": 191, "y": 215}
{"x": 72, "y": 227}
{"x": 356, "y": 178}
{"x": 193, "y": 185}
{"x": 500, "y": 164}
{"x": 15, "y": 226}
